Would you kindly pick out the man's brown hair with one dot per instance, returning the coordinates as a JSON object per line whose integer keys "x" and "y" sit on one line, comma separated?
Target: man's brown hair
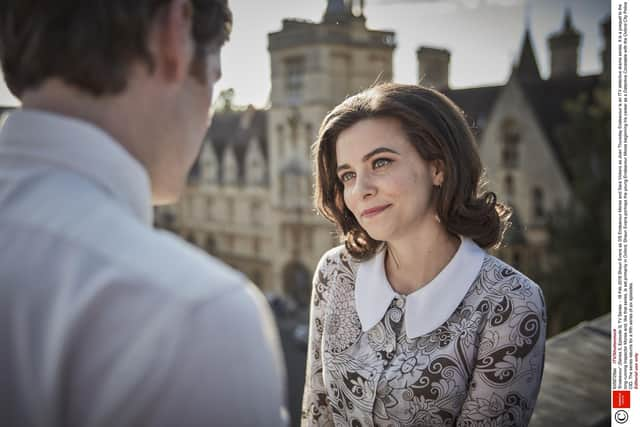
{"x": 91, "y": 44}
{"x": 438, "y": 130}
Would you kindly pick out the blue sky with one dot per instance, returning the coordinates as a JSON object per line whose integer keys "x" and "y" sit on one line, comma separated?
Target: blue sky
{"x": 484, "y": 37}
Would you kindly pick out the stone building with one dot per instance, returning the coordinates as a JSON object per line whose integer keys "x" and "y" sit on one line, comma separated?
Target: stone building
{"x": 517, "y": 133}
{"x": 249, "y": 201}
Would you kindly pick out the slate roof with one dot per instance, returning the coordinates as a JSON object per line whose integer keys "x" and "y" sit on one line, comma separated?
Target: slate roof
{"x": 227, "y": 129}
{"x": 549, "y": 98}
{"x": 575, "y": 388}
{"x": 476, "y": 103}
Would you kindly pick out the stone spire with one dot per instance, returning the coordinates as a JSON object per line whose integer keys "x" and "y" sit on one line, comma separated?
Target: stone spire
{"x": 338, "y": 12}
{"x": 527, "y": 68}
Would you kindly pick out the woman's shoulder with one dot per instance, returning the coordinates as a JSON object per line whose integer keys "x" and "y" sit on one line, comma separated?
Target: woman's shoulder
{"x": 336, "y": 257}
{"x": 499, "y": 279}
{"x": 336, "y": 272}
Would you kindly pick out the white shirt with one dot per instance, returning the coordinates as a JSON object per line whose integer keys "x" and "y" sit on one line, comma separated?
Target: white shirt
{"x": 105, "y": 321}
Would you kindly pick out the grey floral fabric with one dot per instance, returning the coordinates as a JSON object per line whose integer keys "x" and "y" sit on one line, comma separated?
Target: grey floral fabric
{"x": 482, "y": 367}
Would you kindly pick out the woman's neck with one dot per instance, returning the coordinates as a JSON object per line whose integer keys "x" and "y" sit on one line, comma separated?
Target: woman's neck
{"x": 416, "y": 260}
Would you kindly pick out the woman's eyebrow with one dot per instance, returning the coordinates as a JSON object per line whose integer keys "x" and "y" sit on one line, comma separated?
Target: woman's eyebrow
{"x": 369, "y": 155}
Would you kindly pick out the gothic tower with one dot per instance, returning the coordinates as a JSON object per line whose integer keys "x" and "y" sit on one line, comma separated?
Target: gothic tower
{"x": 314, "y": 66}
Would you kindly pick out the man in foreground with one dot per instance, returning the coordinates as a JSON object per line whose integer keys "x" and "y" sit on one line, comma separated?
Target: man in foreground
{"x": 103, "y": 320}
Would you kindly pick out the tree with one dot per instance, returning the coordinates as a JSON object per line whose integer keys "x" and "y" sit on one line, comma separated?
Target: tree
{"x": 580, "y": 233}
{"x": 224, "y": 102}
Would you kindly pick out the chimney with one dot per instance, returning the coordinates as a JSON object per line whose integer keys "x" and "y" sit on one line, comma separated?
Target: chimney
{"x": 433, "y": 67}
{"x": 564, "y": 50}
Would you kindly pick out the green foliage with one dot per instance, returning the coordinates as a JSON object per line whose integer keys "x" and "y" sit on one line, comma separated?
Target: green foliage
{"x": 224, "y": 102}
{"x": 578, "y": 285}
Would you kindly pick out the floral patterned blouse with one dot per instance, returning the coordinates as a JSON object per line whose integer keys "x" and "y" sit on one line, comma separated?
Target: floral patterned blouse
{"x": 465, "y": 350}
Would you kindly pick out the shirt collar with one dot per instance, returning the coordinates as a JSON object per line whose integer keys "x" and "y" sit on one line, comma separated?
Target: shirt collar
{"x": 428, "y": 307}
{"x": 83, "y": 148}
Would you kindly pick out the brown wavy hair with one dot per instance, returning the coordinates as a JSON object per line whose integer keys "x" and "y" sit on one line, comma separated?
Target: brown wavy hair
{"x": 91, "y": 44}
{"x": 438, "y": 130}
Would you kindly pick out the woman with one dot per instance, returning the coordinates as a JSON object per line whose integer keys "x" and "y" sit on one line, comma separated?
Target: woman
{"x": 412, "y": 322}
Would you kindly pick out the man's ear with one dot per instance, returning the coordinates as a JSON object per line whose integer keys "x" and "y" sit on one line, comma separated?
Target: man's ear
{"x": 170, "y": 41}
{"x": 437, "y": 172}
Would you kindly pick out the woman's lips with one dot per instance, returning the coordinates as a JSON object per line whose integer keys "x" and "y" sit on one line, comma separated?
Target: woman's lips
{"x": 368, "y": 213}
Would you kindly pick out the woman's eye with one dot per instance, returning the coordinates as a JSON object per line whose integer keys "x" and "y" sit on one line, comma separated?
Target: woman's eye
{"x": 347, "y": 176}
{"x": 378, "y": 163}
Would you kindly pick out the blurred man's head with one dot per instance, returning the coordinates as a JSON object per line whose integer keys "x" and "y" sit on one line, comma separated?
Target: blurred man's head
{"x": 157, "y": 58}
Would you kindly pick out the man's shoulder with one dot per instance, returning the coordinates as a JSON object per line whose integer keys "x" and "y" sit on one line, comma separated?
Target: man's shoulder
{"x": 103, "y": 233}
{"x": 181, "y": 267}
{"x": 165, "y": 262}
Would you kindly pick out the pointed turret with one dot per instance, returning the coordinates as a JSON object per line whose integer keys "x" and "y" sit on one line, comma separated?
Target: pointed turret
{"x": 527, "y": 67}
{"x": 338, "y": 12}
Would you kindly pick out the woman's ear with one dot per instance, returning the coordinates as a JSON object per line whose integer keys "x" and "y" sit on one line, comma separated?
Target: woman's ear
{"x": 436, "y": 168}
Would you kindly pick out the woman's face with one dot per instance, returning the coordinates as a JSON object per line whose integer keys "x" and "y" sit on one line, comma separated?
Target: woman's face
{"x": 387, "y": 185}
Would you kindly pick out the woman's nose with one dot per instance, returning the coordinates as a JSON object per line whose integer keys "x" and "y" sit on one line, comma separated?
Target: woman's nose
{"x": 365, "y": 187}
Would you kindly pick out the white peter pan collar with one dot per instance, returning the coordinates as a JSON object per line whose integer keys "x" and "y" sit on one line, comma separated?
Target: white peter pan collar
{"x": 428, "y": 307}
